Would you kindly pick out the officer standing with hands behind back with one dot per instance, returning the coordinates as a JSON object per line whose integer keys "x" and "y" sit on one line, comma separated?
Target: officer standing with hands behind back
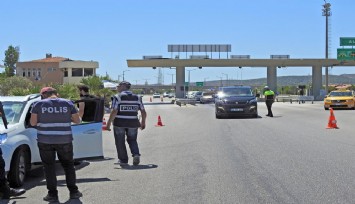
{"x": 269, "y": 100}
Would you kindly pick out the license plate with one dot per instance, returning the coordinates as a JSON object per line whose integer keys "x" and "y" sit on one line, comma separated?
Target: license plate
{"x": 236, "y": 109}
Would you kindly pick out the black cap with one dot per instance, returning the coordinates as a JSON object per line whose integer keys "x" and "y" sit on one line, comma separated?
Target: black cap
{"x": 126, "y": 83}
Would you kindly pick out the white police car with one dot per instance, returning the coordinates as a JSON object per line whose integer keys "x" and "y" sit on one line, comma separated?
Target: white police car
{"x": 19, "y": 140}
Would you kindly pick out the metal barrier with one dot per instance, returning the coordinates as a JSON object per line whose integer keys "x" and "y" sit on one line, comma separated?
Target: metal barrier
{"x": 292, "y": 98}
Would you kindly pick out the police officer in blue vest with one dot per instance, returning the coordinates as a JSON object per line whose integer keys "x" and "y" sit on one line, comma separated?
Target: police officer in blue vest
{"x": 53, "y": 117}
{"x": 124, "y": 115}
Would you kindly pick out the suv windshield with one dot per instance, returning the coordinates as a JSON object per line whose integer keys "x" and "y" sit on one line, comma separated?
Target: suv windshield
{"x": 12, "y": 111}
{"x": 235, "y": 91}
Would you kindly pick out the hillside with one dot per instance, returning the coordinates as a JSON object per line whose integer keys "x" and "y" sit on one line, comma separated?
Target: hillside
{"x": 287, "y": 80}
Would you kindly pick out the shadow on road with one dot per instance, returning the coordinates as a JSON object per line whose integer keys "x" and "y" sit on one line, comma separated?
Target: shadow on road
{"x": 138, "y": 167}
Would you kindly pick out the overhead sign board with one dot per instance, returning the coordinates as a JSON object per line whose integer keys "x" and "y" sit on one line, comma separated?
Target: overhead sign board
{"x": 347, "y": 41}
{"x": 200, "y": 48}
{"x": 346, "y": 54}
{"x": 199, "y": 83}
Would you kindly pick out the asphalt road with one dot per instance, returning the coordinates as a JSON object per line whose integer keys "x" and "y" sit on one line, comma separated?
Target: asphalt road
{"x": 195, "y": 158}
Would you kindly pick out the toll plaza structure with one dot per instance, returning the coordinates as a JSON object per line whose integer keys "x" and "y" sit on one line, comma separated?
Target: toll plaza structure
{"x": 276, "y": 61}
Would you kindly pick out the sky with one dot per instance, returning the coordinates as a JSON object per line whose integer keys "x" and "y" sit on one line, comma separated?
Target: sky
{"x": 112, "y": 31}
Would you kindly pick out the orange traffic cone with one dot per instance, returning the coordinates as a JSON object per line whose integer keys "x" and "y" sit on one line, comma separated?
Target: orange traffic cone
{"x": 332, "y": 123}
{"x": 104, "y": 124}
{"x": 150, "y": 99}
{"x": 159, "y": 124}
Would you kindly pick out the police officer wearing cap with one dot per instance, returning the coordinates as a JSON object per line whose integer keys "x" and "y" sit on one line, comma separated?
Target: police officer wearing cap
{"x": 269, "y": 100}
{"x": 53, "y": 116}
{"x": 124, "y": 116}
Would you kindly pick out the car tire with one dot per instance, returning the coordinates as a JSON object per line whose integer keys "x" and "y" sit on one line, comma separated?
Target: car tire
{"x": 218, "y": 116}
{"x": 19, "y": 167}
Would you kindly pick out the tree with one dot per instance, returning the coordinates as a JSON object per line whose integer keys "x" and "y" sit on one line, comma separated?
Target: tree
{"x": 13, "y": 85}
{"x": 11, "y": 58}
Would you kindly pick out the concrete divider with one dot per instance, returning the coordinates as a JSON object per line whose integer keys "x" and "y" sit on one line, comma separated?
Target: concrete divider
{"x": 183, "y": 101}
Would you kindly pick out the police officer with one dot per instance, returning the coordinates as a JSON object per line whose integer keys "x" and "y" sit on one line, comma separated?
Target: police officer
{"x": 269, "y": 100}
{"x": 124, "y": 115}
{"x": 53, "y": 117}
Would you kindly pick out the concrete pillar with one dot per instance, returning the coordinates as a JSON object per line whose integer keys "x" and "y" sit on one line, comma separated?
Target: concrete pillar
{"x": 316, "y": 82}
{"x": 180, "y": 82}
{"x": 272, "y": 78}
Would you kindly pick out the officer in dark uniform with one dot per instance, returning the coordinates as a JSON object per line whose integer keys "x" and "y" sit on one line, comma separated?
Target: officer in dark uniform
{"x": 269, "y": 100}
{"x": 53, "y": 117}
{"x": 5, "y": 189}
{"x": 124, "y": 115}
{"x": 86, "y": 108}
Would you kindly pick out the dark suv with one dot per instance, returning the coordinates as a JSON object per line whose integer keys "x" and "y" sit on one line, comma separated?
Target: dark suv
{"x": 236, "y": 101}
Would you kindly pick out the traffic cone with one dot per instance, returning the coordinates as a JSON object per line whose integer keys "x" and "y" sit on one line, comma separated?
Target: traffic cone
{"x": 332, "y": 122}
{"x": 104, "y": 124}
{"x": 159, "y": 124}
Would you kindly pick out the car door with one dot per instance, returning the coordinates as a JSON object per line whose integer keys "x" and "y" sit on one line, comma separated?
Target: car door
{"x": 87, "y": 136}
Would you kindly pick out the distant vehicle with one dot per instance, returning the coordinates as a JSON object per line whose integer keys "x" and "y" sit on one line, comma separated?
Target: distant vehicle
{"x": 197, "y": 95}
{"x": 156, "y": 95}
{"x": 340, "y": 99}
{"x": 19, "y": 139}
{"x": 207, "y": 97}
{"x": 236, "y": 101}
{"x": 171, "y": 95}
{"x": 166, "y": 94}
{"x": 191, "y": 94}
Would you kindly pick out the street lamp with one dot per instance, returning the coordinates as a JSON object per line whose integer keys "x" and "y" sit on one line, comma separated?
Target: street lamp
{"x": 221, "y": 80}
{"x": 172, "y": 79}
{"x": 123, "y": 74}
{"x": 226, "y": 77}
{"x": 326, "y": 12}
{"x": 189, "y": 74}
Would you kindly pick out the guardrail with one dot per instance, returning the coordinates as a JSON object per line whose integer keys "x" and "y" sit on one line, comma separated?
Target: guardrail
{"x": 183, "y": 101}
{"x": 292, "y": 98}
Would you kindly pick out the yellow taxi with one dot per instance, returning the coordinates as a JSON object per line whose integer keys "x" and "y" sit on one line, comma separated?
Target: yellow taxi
{"x": 340, "y": 99}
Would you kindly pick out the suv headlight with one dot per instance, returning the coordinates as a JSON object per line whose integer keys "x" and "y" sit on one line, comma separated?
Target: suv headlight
{"x": 3, "y": 138}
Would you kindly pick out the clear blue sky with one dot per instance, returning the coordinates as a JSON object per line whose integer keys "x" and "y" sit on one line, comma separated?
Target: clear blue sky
{"x": 112, "y": 31}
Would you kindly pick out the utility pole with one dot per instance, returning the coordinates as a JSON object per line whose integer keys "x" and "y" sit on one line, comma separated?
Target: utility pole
{"x": 123, "y": 74}
{"x": 326, "y": 12}
{"x": 172, "y": 79}
{"x": 226, "y": 78}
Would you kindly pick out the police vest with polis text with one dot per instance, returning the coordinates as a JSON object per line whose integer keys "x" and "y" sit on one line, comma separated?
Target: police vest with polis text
{"x": 127, "y": 105}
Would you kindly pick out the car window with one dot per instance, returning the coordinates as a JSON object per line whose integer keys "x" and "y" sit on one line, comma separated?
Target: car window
{"x": 13, "y": 111}
{"x": 340, "y": 94}
{"x": 237, "y": 92}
